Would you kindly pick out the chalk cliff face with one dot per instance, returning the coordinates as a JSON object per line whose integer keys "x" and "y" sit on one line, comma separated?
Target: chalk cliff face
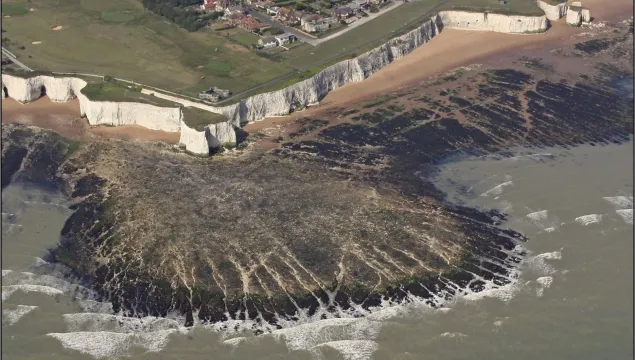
{"x": 129, "y": 113}
{"x": 574, "y": 17}
{"x": 311, "y": 91}
{"x": 553, "y": 12}
{"x": 493, "y": 22}
{"x": 281, "y": 102}
{"x": 61, "y": 89}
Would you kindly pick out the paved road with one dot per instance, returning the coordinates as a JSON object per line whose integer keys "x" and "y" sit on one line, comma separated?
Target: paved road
{"x": 8, "y": 54}
{"x": 267, "y": 20}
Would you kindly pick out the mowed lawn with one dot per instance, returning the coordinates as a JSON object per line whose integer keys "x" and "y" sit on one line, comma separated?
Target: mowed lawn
{"x": 119, "y": 38}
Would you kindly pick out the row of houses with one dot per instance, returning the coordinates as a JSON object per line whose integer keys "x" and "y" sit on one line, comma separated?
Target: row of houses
{"x": 246, "y": 22}
{"x": 315, "y": 22}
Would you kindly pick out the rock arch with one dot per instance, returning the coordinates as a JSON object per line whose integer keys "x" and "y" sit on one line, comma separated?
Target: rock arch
{"x": 42, "y": 91}
{"x": 5, "y": 92}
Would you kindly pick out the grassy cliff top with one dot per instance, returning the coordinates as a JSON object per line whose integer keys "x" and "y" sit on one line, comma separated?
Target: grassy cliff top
{"x": 512, "y": 7}
{"x": 197, "y": 119}
{"x": 109, "y": 91}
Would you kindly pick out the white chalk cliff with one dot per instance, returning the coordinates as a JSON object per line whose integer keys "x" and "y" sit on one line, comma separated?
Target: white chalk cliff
{"x": 280, "y": 102}
{"x": 312, "y": 90}
{"x": 62, "y": 89}
{"x": 553, "y": 12}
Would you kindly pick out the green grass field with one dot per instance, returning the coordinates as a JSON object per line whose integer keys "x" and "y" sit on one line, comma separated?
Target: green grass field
{"x": 518, "y": 7}
{"x": 13, "y": 9}
{"x": 119, "y": 38}
{"x": 197, "y": 119}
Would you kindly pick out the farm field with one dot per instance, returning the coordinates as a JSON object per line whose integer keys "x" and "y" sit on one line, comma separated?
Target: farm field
{"x": 120, "y": 39}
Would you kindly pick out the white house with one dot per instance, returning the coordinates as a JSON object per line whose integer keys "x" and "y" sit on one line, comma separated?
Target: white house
{"x": 285, "y": 38}
{"x": 268, "y": 42}
{"x": 315, "y": 23}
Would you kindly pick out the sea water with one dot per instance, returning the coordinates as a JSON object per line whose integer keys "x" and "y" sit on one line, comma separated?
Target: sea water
{"x": 573, "y": 300}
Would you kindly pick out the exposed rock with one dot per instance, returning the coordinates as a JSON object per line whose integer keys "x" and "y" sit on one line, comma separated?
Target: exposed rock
{"x": 574, "y": 17}
{"x": 553, "y": 12}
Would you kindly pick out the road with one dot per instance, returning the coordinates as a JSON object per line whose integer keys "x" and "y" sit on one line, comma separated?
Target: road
{"x": 267, "y": 20}
{"x": 8, "y": 54}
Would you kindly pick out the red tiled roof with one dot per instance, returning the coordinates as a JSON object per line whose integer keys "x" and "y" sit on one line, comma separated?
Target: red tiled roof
{"x": 210, "y": 5}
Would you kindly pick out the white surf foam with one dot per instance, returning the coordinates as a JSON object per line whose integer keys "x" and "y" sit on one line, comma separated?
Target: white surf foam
{"x": 453, "y": 335}
{"x": 544, "y": 282}
{"x": 626, "y": 215}
{"x": 497, "y": 190}
{"x": 114, "y": 323}
{"x": 12, "y": 316}
{"x": 539, "y": 263}
{"x": 5, "y": 272}
{"x": 541, "y": 220}
{"x": 92, "y": 306}
{"x": 353, "y": 349}
{"x": 103, "y": 344}
{"x": 10, "y": 289}
{"x": 27, "y": 278}
{"x": 307, "y": 336}
{"x": 586, "y": 220}
{"x": 620, "y": 202}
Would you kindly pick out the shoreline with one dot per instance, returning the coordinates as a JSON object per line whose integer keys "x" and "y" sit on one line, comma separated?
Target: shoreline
{"x": 466, "y": 47}
{"x": 64, "y": 118}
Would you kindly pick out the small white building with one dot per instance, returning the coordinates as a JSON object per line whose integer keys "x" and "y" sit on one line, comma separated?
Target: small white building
{"x": 268, "y": 42}
{"x": 286, "y": 38}
{"x": 273, "y": 10}
{"x": 315, "y": 23}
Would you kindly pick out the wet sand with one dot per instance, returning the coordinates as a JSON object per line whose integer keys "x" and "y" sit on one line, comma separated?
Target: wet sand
{"x": 64, "y": 119}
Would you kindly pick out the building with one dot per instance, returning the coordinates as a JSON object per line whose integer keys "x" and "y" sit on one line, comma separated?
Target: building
{"x": 215, "y": 5}
{"x": 214, "y": 94}
{"x": 273, "y": 10}
{"x": 264, "y": 4}
{"x": 315, "y": 23}
{"x": 289, "y": 15}
{"x": 268, "y": 42}
{"x": 250, "y": 23}
{"x": 285, "y": 38}
{"x": 234, "y": 10}
{"x": 342, "y": 13}
{"x": 357, "y": 5}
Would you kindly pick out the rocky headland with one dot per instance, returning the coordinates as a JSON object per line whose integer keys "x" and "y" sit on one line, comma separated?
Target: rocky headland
{"x": 339, "y": 217}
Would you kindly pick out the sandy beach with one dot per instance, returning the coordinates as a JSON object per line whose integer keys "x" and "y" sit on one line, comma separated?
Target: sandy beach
{"x": 64, "y": 119}
{"x": 456, "y": 48}
{"x": 449, "y": 50}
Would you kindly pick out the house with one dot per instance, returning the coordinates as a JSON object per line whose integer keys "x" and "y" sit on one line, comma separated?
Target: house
{"x": 250, "y": 23}
{"x": 268, "y": 42}
{"x": 215, "y": 5}
{"x": 286, "y": 38}
{"x": 350, "y": 20}
{"x": 214, "y": 94}
{"x": 357, "y": 5}
{"x": 234, "y": 10}
{"x": 315, "y": 23}
{"x": 377, "y": 2}
{"x": 283, "y": 13}
{"x": 264, "y": 4}
{"x": 273, "y": 10}
{"x": 289, "y": 15}
{"x": 342, "y": 13}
